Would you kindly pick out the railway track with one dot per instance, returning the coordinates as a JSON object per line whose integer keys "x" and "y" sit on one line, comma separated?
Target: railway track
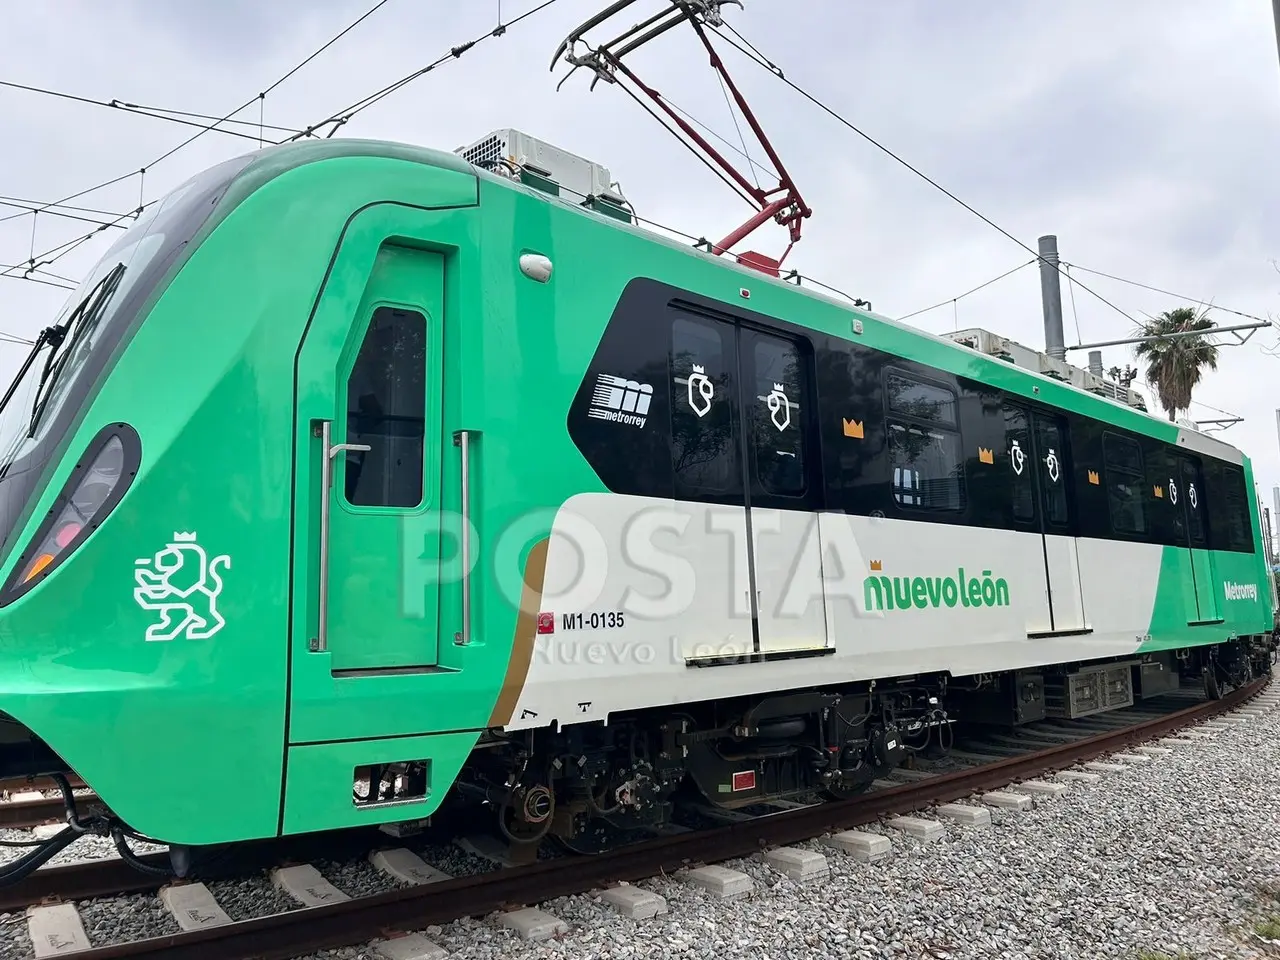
{"x": 36, "y": 801}
{"x": 333, "y": 920}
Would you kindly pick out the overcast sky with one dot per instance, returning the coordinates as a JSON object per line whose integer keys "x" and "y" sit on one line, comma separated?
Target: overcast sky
{"x": 1144, "y": 134}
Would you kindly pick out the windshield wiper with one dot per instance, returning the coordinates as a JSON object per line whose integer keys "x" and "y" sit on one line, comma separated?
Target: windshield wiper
{"x": 82, "y": 318}
{"x": 46, "y": 337}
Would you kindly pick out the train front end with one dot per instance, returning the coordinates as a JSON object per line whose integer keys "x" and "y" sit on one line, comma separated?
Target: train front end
{"x": 160, "y": 508}
{"x": 136, "y": 485}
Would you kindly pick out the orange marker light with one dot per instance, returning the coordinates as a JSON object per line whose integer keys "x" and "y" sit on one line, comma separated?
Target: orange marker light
{"x": 41, "y": 562}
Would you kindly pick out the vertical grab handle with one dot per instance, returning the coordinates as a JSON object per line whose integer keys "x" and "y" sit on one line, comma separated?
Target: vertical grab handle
{"x": 462, "y": 440}
{"x": 328, "y": 452}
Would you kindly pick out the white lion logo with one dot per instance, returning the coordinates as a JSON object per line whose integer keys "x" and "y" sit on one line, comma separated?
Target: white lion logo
{"x": 184, "y": 578}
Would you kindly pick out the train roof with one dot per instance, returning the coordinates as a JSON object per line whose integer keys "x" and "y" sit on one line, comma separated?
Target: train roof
{"x": 275, "y": 160}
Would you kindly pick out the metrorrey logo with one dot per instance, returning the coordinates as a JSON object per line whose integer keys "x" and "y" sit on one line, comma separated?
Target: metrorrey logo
{"x": 901, "y": 593}
{"x": 1240, "y": 591}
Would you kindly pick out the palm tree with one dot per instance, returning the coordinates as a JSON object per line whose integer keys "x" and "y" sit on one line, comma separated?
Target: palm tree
{"x": 1174, "y": 366}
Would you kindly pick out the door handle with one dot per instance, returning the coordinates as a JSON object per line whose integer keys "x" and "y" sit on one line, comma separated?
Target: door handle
{"x": 337, "y": 448}
{"x": 330, "y": 450}
{"x": 462, "y": 440}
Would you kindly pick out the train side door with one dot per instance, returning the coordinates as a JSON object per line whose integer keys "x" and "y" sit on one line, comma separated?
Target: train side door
{"x": 1186, "y": 493}
{"x": 742, "y": 436}
{"x": 1039, "y": 464}
{"x": 782, "y": 499}
{"x": 1168, "y": 490}
{"x": 1027, "y": 502}
{"x": 1062, "y": 562}
{"x": 380, "y": 468}
{"x": 706, "y": 440}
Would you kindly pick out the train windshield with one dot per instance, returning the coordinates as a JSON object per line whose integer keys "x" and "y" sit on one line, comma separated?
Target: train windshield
{"x": 71, "y": 354}
{"x": 56, "y": 364}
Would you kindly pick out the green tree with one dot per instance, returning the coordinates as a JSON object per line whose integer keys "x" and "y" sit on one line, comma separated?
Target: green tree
{"x": 1174, "y": 366}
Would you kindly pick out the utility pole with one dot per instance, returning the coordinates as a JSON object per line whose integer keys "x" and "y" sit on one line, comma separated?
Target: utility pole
{"x": 1051, "y": 295}
{"x": 1275, "y": 498}
{"x": 1275, "y": 12}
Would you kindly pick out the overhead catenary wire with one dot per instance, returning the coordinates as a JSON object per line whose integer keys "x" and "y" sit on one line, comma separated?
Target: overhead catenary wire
{"x": 121, "y": 106}
{"x": 943, "y": 303}
{"x": 30, "y": 279}
{"x": 157, "y": 111}
{"x": 48, "y": 207}
{"x": 341, "y": 117}
{"x": 1071, "y": 292}
{"x": 141, "y": 172}
{"x": 32, "y": 206}
{"x": 50, "y": 275}
{"x": 338, "y": 120}
{"x": 206, "y": 128}
{"x": 754, "y": 55}
{"x": 736, "y": 188}
{"x": 1209, "y": 406}
{"x": 740, "y": 150}
{"x": 1167, "y": 293}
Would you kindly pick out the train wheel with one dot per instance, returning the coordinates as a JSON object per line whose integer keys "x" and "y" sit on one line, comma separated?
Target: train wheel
{"x": 849, "y": 788}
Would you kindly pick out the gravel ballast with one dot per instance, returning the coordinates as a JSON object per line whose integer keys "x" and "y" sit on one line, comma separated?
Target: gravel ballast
{"x": 1178, "y": 857}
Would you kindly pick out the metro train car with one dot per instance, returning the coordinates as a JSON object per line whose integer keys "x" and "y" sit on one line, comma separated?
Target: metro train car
{"x": 359, "y": 476}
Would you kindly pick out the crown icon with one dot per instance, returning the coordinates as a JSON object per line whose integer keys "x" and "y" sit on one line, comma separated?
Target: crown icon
{"x": 852, "y": 428}
{"x": 779, "y": 387}
{"x": 875, "y": 565}
{"x": 699, "y": 368}
{"x": 184, "y": 537}
{"x": 1159, "y": 491}
{"x": 985, "y": 455}
{"x": 1093, "y": 477}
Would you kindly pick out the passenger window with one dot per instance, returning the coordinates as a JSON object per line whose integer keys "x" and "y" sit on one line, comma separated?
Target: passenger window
{"x": 703, "y": 423}
{"x": 920, "y": 401}
{"x": 927, "y": 467}
{"x": 1236, "y": 497}
{"x": 386, "y": 408}
{"x": 778, "y": 415}
{"x": 1126, "y": 484}
{"x": 1018, "y": 448}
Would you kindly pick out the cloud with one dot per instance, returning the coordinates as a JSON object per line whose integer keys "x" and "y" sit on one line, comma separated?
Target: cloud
{"x": 1142, "y": 134}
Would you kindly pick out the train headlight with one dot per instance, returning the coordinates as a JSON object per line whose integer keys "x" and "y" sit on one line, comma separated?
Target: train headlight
{"x": 96, "y": 484}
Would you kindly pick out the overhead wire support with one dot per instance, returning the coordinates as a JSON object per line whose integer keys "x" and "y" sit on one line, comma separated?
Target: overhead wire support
{"x": 782, "y": 203}
{"x": 1176, "y": 335}
{"x": 1167, "y": 293}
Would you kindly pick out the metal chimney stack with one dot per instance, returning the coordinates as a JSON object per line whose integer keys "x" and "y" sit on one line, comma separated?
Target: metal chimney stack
{"x": 1051, "y": 296}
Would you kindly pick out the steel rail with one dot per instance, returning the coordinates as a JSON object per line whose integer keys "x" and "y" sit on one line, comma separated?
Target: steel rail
{"x": 13, "y": 784}
{"x": 113, "y": 876}
{"x": 29, "y": 813}
{"x": 282, "y": 936}
{"x": 108, "y": 877}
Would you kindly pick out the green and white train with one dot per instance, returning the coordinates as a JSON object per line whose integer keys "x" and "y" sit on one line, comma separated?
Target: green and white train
{"x": 723, "y": 534}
